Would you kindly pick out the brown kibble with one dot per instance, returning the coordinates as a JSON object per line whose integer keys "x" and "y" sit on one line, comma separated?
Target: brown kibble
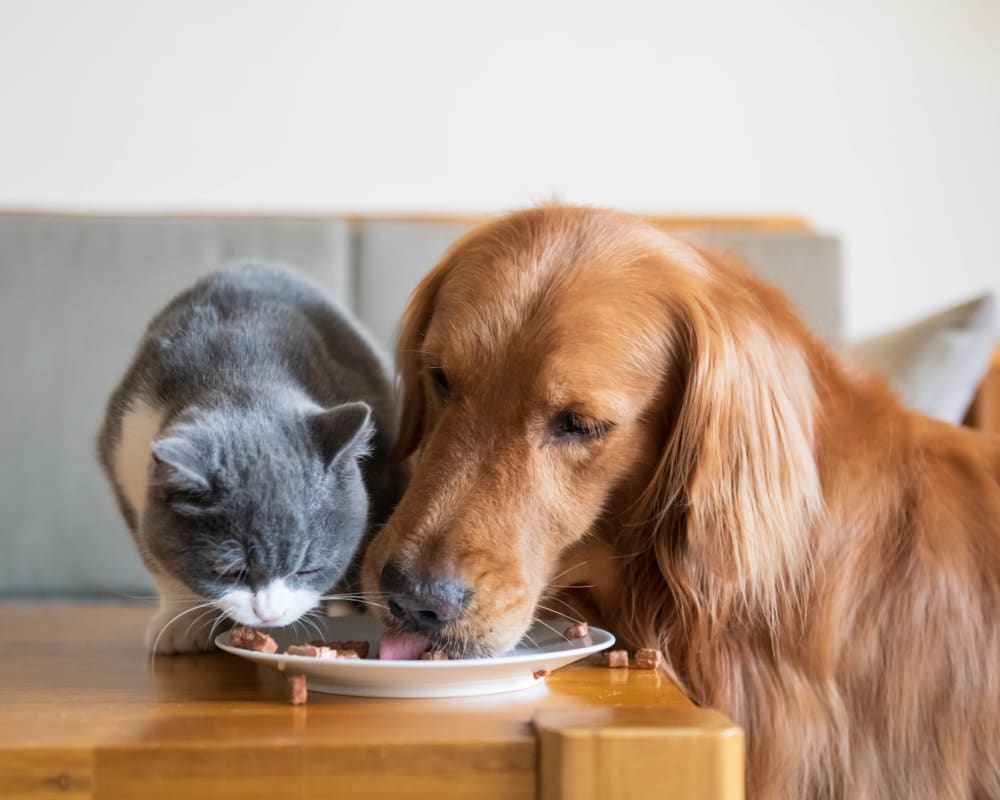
{"x": 648, "y": 658}
{"x": 249, "y": 639}
{"x": 616, "y": 659}
{"x": 539, "y": 674}
{"x": 298, "y": 689}
{"x": 361, "y": 648}
{"x": 435, "y": 655}
{"x": 579, "y": 631}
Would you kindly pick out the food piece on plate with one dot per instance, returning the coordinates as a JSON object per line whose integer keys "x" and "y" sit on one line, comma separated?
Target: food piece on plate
{"x": 402, "y": 646}
{"x": 616, "y": 659}
{"x": 311, "y": 650}
{"x": 298, "y": 689}
{"x": 538, "y": 674}
{"x": 435, "y": 655}
{"x": 579, "y": 631}
{"x": 249, "y": 639}
{"x": 359, "y": 647}
{"x": 346, "y": 654}
{"x": 647, "y": 658}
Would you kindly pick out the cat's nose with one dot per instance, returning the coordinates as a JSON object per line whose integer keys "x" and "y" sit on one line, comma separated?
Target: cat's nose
{"x": 424, "y": 606}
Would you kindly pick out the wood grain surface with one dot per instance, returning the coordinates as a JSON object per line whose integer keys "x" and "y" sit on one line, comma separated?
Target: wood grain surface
{"x": 85, "y": 714}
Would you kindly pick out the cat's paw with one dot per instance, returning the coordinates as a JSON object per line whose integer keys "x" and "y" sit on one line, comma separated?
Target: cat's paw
{"x": 166, "y": 635}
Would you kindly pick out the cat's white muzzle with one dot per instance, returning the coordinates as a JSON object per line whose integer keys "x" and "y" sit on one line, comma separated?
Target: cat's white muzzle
{"x": 272, "y": 606}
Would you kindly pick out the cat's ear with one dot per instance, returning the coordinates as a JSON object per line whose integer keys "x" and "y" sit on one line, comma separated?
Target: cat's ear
{"x": 343, "y": 431}
{"x": 180, "y": 473}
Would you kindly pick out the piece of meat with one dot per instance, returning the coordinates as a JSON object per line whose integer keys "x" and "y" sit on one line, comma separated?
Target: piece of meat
{"x": 616, "y": 659}
{"x": 579, "y": 631}
{"x": 435, "y": 655}
{"x": 298, "y": 689}
{"x": 359, "y": 647}
{"x": 647, "y": 658}
{"x": 247, "y": 638}
{"x": 538, "y": 674}
{"x": 347, "y": 654}
{"x": 311, "y": 650}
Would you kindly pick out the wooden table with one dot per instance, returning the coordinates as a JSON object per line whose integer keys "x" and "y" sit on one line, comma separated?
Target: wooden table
{"x": 84, "y": 715}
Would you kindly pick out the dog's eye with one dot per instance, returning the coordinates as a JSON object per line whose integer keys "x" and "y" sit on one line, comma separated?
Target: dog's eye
{"x": 571, "y": 426}
{"x": 440, "y": 381}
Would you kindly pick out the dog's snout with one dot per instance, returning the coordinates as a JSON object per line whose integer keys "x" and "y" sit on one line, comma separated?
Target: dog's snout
{"x": 424, "y": 606}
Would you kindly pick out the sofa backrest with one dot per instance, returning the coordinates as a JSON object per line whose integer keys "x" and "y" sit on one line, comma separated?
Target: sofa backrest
{"x": 77, "y": 291}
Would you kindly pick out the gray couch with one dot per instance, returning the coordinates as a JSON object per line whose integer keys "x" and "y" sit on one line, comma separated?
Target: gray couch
{"x": 76, "y": 292}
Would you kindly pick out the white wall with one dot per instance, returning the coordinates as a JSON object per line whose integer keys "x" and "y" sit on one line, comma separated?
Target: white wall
{"x": 878, "y": 120}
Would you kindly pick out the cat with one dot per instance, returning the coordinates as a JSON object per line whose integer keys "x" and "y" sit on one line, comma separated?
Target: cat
{"x": 247, "y": 447}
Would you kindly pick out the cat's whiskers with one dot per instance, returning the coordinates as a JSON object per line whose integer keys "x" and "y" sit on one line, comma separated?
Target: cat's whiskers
{"x": 558, "y": 613}
{"x": 221, "y": 617}
{"x": 568, "y": 569}
{"x": 198, "y": 619}
{"x": 173, "y": 619}
{"x": 308, "y": 621}
{"x": 557, "y": 633}
{"x": 361, "y": 600}
{"x": 570, "y": 606}
{"x": 572, "y": 585}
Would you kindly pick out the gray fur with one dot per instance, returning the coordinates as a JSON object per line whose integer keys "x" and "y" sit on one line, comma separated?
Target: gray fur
{"x": 273, "y": 449}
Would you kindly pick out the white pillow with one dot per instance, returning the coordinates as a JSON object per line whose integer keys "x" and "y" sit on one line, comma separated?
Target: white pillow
{"x": 937, "y": 364}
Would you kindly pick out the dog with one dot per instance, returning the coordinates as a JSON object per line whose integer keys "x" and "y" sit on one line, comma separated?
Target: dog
{"x": 592, "y": 401}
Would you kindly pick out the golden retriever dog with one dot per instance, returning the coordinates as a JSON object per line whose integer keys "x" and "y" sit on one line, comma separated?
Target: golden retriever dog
{"x": 592, "y": 401}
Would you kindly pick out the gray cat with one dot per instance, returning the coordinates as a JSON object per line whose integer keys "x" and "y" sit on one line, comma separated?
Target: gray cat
{"x": 247, "y": 448}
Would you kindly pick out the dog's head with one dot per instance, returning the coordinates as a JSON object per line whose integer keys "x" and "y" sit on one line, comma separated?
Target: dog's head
{"x": 565, "y": 367}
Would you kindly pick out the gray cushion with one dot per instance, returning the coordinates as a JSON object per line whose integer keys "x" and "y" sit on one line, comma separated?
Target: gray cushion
{"x": 937, "y": 364}
{"x": 805, "y": 266}
{"x": 390, "y": 259}
{"x": 75, "y": 295}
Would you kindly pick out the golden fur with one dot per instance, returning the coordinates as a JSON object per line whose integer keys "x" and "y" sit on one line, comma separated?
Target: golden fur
{"x": 815, "y": 560}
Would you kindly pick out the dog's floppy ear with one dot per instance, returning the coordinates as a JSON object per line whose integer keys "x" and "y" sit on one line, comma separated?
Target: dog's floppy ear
{"x": 409, "y": 343}
{"x": 738, "y": 462}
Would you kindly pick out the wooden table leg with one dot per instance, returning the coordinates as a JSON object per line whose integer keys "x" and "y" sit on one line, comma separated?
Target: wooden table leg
{"x": 623, "y": 753}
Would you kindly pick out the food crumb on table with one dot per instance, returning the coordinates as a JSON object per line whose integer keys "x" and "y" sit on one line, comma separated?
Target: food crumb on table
{"x": 298, "y": 689}
{"x": 648, "y": 658}
{"x": 616, "y": 659}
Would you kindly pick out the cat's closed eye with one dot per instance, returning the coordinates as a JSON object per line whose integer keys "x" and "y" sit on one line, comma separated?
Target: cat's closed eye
{"x": 228, "y": 573}
{"x": 308, "y": 572}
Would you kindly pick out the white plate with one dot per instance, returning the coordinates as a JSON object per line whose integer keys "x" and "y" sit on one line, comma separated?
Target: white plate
{"x": 459, "y": 678}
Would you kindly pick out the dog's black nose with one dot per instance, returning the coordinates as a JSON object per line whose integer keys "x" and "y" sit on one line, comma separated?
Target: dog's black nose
{"x": 424, "y": 606}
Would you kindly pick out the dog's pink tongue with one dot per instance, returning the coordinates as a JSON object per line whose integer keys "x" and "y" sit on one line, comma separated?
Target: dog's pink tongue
{"x": 401, "y": 646}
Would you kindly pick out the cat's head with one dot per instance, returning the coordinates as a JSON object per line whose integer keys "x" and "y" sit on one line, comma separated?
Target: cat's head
{"x": 259, "y": 511}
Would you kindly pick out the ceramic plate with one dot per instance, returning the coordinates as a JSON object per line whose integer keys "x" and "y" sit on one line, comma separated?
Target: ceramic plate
{"x": 459, "y": 678}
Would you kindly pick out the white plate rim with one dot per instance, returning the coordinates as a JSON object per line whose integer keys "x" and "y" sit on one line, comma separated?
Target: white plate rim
{"x": 377, "y": 663}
